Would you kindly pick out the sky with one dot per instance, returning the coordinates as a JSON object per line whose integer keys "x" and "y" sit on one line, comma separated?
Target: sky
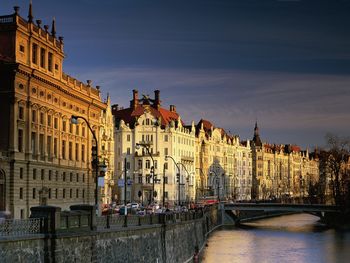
{"x": 284, "y": 63}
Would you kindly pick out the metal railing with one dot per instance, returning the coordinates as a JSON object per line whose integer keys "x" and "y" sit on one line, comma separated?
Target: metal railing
{"x": 20, "y": 227}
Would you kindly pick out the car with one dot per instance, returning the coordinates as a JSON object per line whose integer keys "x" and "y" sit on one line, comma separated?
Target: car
{"x": 134, "y": 205}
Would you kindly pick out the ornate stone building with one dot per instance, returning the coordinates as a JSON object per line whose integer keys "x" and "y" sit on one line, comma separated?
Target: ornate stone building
{"x": 44, "y": 159}
{"x": 281, "y": 171}
{"x": 160, "y": 130}
{"x": 223, "y": 163}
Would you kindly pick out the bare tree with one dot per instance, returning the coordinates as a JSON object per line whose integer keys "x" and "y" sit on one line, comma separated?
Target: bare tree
{"x": 334, "y": 162}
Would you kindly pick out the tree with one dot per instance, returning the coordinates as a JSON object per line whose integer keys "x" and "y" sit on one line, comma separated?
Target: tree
{"x": 334, "y": 165}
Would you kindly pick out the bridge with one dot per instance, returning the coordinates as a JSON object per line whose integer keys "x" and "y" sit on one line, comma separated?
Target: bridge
{"x": 239, "y": 212}
{"x": 281, "y": 207}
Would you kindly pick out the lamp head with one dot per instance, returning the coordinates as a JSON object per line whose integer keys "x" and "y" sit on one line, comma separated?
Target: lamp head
{"x": 166, "y": 157}
{"x": 137, "y": 146}
{"x": 74, "y": 119}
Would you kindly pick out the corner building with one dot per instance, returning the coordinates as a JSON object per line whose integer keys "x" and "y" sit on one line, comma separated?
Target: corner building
{"x": 146, "y": 122}
{"x": 44, "y": 159}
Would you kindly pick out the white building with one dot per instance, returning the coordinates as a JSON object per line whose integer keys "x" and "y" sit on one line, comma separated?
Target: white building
{"x": 161, "y": 133}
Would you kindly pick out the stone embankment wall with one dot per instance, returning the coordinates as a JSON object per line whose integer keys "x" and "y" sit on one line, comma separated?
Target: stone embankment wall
{"x": 167, "y": 242}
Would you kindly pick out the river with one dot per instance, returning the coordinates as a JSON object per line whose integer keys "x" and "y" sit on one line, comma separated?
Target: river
{"x": 292, "y": 238}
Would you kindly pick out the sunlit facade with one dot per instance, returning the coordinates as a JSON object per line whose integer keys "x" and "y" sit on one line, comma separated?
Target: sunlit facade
{"x": 44, "y": 159}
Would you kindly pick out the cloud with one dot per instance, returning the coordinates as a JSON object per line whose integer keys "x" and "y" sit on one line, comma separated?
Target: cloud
{"x": 283, "y": 103}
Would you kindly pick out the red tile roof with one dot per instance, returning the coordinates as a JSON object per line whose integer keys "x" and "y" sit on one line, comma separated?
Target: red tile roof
{"x": 130, "y": 116}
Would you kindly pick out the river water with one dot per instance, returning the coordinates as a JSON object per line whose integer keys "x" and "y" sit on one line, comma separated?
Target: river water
{"x": 293, "y": 238}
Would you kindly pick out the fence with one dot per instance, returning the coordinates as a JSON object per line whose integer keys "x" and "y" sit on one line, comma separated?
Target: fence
{"x": 20, "y": 227}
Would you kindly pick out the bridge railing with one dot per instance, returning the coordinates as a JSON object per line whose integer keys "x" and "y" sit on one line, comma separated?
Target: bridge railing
{"x": 20, "y": 227}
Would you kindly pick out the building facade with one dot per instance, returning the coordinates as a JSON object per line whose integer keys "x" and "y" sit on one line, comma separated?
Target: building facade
{"x": 159, "y": 133}
{"x": 44, "y": 158}
{"x": 281, "y": 171}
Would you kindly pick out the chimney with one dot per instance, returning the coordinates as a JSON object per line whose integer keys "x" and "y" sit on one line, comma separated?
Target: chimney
{"x": 172, "y": 108}
{"x": 115, "y": 108}
{"x": 156, "y": 99}
{"x": 135, "y": 99}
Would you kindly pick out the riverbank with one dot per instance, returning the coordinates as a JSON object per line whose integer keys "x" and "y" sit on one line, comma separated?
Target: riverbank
{"x": 339, "y": 221}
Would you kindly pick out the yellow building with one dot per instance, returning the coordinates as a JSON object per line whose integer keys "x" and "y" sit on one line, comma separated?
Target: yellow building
{"x": 281, "y": 171}
{"x": 44, "y": 159}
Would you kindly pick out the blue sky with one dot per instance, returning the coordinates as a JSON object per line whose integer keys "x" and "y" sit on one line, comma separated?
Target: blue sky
{"x": 285, "y": 63}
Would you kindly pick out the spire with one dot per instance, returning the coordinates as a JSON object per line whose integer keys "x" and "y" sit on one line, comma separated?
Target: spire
{"x": 30, "y": 13}
{"x": 256, "y": 138}
{"x": 53, "y": 28}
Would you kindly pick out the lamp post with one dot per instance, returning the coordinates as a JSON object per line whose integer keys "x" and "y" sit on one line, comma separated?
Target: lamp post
{"x": 216, "y": 177}
{"x": 188, "y": 174}
{"x": 153, "y": 175}
{"x": 74, "y": 120}
{"x": 178, "y": 175}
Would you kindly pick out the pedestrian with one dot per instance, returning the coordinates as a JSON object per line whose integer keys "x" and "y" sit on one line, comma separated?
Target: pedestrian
{"x": 196, "y": 255}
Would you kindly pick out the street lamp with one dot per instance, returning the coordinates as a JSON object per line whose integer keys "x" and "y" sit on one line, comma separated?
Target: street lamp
{"x": 178, "y": 175}
{"x": 217, "y": 182}
{"x": 94, "y": 150}
{"x": 188, "y": 174}
{"x": 153, "y": 175}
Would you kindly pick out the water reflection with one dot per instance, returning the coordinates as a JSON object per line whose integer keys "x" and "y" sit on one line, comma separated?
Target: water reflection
{"x": 293, "y": 238}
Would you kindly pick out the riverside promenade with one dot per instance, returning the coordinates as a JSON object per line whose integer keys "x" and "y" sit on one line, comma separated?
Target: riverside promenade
{"x": 79, "y": 236}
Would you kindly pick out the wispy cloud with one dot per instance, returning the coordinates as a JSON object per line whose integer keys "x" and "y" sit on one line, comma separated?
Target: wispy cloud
{"x": 303, "y": 104}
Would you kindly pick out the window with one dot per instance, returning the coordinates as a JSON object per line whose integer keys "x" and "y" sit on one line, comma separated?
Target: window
{"x": 21, "y": 173}
{"x": 139, "y": 164}
{"x": 71, "y": 177}
{"x": 83, "y": 153}
{"x": 140, "y": 179}
{"x": 128, "y": 138}
{"x": 83, "y": 131}
{"x": 48, "y": 145}
{"x": 64, "y": 176}
{"x": 148, "y": 164}
{"x": 77, "y": 178}
{"x": 64, "y": 126}
{"x": 77, "y": 193}
{"x": 34, "y": 174}
{"x": 64, "y": 193}
{"x": 42, "y": 57}
{"x": 21, "y": 48}
{"x": 76, "y": 130}
{"x": 42, "y": 118}
{"x": 70, "y": 193}
{"x": 55, "y": 123}
{"x": 56, "y": 66}
{"x": 22, "y": 213}
{"x": 55, "y": 147}
{"x": 128, "y": 165}
{"x": 21, "y": 193}
{"x": 34, "y": 193}
{"x": 35, "y": 53}
{"x": 56, "y": 193}
{"x": 128, "y": 151}
{"x": 166, "y": 166}
{"x": 49, "y": 118}
{"x": 20, "y": 112}
{"x": 166, "y": 180}
{"x": 41, "y": 144}
{"x": 49, "y": 61}
{"x": 83, "y": 195}
{"x": 166, "y": 151}
{"x": 64, "y": 149}
{"x": 77, "y": 151}
{"x": 20, "y": 140}
{"x": 71, "y": 128}
{"x": 166, "y": 195}
{"x": 155, "y": 164}
{"x": 50, "y": 175}
{"x": 83, "y": 178}
{"x": 33, "y": 115}
{"x": 70, "y": 150}
{"x": 166, "y": 138}
{"x": 42, "y": 174}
